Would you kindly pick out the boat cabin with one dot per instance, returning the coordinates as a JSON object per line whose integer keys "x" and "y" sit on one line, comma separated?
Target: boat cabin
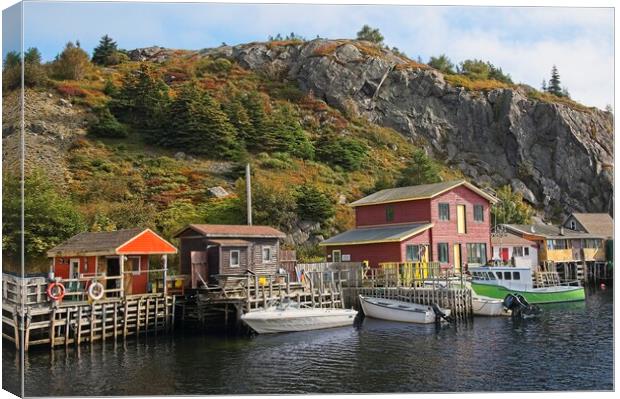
{"x": 514, "y": 278}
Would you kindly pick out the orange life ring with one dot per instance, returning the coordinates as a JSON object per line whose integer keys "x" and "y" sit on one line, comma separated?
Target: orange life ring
{"x": 56, "y": 291}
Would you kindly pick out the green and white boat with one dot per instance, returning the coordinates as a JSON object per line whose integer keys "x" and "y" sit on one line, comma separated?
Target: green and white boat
{"x": 497, "y": 282}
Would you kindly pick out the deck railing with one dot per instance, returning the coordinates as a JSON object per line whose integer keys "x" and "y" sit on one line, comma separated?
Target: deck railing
{"x": 413, "y": 274}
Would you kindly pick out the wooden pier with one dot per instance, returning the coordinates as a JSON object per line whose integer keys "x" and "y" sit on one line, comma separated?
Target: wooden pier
{"x": 327, "y": 285}
{"x": 30, "y": 318}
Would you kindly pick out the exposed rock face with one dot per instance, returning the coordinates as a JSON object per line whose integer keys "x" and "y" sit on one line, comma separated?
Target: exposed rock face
{"x": 559, "y": 157}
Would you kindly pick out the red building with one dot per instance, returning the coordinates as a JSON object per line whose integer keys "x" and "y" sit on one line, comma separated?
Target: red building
{"x": 445, "y": 222}
{"x": 124, "y": 254}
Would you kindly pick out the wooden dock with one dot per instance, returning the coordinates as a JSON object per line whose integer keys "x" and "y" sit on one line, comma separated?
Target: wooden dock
{"x": 326, "y": 285}
{"x": 36, "y": 320}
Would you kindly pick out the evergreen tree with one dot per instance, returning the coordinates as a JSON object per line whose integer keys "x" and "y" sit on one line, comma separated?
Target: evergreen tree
{"x": 543, "y": 86}
{"x": 283, "y": 133}
{"x": 238, "y": 116}
{"x": 105, "y": 52}
{"x": 442, "y": 64}
{"x": 197, "y": 124}
{"x": 142, "y": 98}
{"x": 419, "y": 170}
{"x": 345, "y": 152}
{"x": 370, "y": 34}
{"x": 313, "y": 204}
{"x": 253, "y": 104}
{"x": 107, "y": 125}
{"x": 555, "y": 86}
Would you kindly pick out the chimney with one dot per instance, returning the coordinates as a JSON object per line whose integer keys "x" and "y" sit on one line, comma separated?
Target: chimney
{"x": 248, "y": 192}
{"x": 561, "y": 230}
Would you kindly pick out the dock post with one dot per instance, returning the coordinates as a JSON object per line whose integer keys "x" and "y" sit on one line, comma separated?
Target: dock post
{"x": 92, "y": 322}
{"x": 67, "y": 328}
{"x": 115, "y": 320}
{"x": 52, "y": 327}
{"x": 16, "y": 329}
{"x": 104, "y": 312}
{"x": 79, "y": 326}
{"x": 125, "y": 317}
{"x": 138, "y": 316}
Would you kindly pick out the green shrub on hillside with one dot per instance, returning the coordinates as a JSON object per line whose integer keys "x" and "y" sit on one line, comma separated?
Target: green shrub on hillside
{"x": 511, "y": 208}
{"x": 73, "y": 63}
{"x": 419, "y": 170}
{"x": 346, "y": 152}
{"x": 107, "y": 125}
{"x": 34, "y": 72}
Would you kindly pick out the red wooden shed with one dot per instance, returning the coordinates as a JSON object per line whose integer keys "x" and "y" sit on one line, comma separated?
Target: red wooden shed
{"x": 121, "y": 256}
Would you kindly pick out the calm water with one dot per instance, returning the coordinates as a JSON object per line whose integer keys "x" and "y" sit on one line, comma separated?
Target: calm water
{"x": 569, "y": 347}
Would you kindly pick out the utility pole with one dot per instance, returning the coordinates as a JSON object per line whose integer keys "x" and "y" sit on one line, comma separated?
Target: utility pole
{"x": 248, "y": 192}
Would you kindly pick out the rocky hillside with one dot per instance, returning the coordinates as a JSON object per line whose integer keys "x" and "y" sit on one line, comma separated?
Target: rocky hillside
{"x": 559, "y": 155}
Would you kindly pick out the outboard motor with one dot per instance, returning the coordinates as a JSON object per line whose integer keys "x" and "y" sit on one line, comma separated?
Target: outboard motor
{"x": 440, "y": 315}
{"x": 519, "y": 306}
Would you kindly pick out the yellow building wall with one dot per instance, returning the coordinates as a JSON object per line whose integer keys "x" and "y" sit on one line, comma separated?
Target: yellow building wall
{"x": 597, "y": 254}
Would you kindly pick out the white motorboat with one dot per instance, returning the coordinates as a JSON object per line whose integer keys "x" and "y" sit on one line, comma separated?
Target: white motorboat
{"x": 485, "y": 306}
{"x": 287, "y": 318}
{"x": 393, "y": 310}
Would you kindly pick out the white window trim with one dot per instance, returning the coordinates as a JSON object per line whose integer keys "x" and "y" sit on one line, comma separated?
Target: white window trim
{"x": 230, "y": 258}
{"x": 133, "y": 272}
{"x": 268, "y": 248}
{"x": 334, "y": 255}
{"x": 71, "y": 261}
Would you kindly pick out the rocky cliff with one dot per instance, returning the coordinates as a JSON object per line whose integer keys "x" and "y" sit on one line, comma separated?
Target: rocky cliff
{"x": 559, "y": 155}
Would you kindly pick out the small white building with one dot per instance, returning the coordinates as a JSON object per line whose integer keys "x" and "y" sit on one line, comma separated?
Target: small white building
{"x": 512, "y": 249}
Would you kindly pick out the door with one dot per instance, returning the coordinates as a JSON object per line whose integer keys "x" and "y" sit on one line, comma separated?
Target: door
{"x": 213, "y": 261}
{"x": 461, "y": 223}
{"x": 457, "y": 258}
{"x": 336, "y": 255}
{"x": 113, "y": 269}
{"x": 505, "y": 256}
{"x": 74, "y": 268}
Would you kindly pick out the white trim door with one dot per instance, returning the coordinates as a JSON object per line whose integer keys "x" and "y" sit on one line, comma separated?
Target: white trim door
{"x": 74, "y": 267}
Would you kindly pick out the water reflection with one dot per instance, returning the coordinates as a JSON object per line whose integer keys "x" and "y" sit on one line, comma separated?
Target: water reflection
{"x": 567, "y": 347}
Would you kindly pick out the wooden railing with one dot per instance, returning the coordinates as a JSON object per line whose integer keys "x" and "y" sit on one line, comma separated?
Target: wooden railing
{"x": 412, "y": 274}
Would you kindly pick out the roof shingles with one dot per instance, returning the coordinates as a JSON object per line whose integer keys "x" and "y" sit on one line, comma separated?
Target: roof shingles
{"x": 377, "y": 234}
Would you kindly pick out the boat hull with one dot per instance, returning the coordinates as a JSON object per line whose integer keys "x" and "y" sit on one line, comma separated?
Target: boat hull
{"x": 485, "y": 306}
{"x": 536, "y": 295}
{"x": 385, "y": 312}
{"x": 272, "y": 322}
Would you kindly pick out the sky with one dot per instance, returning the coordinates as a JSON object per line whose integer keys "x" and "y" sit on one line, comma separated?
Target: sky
{"x": 524, "y": 41}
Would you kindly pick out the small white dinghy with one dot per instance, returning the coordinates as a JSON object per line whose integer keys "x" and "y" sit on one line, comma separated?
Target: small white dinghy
{"x": 486, "y": 306}
{"x": 393, "y": 310}
{"x": 290, "y": 318}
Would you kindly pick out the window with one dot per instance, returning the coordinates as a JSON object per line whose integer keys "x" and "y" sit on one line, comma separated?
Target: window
{"x": 592, "y": 243}
{"x": 442, "y": 250}
{"x": 444, "y": 211}
{"x": 499, "y": 275}
{"x": 478, "y": 213}
{"x": 412, "y": 253}
{"x": 389, "y": 213}
{"x": 266, "y": 254}
{"x": 573, "y": 225}
{"x": 477, "y": 253}
{"x": 507, "y": 276}
{"x": 526, "y": 251}
{"x": 133, "y": 264}
{"x": 461, "y": 224}
{"x": 517, "y": 251}
{"x": 516, "y": 275}
{"x": 234, "y": 258}
{"x": 336, "y": 256}
{"x": 491, "y": 275}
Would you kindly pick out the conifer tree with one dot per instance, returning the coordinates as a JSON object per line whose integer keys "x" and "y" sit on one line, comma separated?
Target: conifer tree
{"x": 419, "y": 170}
{"x": 555, "y": 86}
{"x": 370, "y": 34}
{"x": 142, "y": 98}
{"x": 105, "y": 52}
{"x": 199, "y": 125}
{"x": 238, "y": 116}
{"x": 72, "y": 63}
{"x": 253, "y": 104}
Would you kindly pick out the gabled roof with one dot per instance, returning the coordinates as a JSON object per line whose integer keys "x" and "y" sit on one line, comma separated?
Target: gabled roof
{"x": 110, "y": 243}
{"x": 510, "y": 239}
{"x": 547, "y": 231}
{"x": 375, "y": 235}
{"x": 596, "y": 223}
{"x": 423, "y": 191}
{"x": 233, "y": 231}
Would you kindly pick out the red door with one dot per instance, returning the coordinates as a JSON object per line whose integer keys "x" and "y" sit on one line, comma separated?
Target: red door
{"x": 505, "y": 254}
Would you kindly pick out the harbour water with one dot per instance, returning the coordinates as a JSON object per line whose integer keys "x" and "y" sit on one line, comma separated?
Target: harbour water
{"x": 568, "y": 347}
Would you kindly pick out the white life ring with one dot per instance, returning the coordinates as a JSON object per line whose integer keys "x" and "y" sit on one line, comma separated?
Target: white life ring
{"x": 96, "y": 290}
